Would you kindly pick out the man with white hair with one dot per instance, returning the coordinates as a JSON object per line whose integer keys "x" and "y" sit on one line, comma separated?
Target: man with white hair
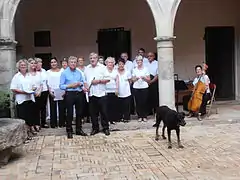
{"x": 94, "y": 74}
{"x": 72, "y": 82}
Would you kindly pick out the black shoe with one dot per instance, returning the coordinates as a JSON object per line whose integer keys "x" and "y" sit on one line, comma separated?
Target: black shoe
{"x": 106, "y": 132}
{"x": 94, "y": 132}
{"x": 69, "y": 135}
{"x": 80, "y": 133}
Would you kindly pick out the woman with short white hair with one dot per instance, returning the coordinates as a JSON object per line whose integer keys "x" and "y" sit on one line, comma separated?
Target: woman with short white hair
{"x": 111, "y": 90}
{"x": 140, "y": 78}
{"x": 21, "y": 86}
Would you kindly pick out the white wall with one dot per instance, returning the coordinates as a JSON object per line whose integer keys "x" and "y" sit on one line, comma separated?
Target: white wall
{"x": 74, "y": 26}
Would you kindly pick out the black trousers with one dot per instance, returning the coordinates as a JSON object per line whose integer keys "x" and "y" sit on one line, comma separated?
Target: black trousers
{"x": 132, "y": 101}
{"x": 124, "y": 107}
{"x": 112, "y": 107}
{"x": 54, "y": 114}
{"x": 206, "y": 97}
{"x": 25, "y": 112}
{"x": 36, "y": 111}
{"x": 141, "y": 97}
{"x": 98, "y": 105}
{"x": 42, "y": 106}
{"x": 74, "y": 98}
{"x": 153, "y": 96}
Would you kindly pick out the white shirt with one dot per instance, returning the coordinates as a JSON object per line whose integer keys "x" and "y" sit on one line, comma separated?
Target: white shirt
{"x": 53, "y": 79}
{"x": 83, "y": 75}
{"x": 128, "y": 66}
{"x": 22, "y": 83}
{"x": 124, "y": 85}
{"x": 36, "y": 81}
{"x": 62, "y": 69}
{"x": 43, "y": 73}
{"x": 145, "y": 62}
{"x": 97, "y": 73}
{"x": 112, "y": 76}
{"x": 153, "y": 68}
{"x": 140, "y": 83}
{"x": 204, "y": 79}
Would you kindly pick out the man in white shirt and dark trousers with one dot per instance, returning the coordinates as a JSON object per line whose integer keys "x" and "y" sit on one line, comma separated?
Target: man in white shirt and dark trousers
{"x": 94, "y": 74}
{"x": 153, "y": 101}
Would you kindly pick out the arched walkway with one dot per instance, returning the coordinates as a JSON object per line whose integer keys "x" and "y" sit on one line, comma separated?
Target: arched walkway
{"x": 164, "y": 12}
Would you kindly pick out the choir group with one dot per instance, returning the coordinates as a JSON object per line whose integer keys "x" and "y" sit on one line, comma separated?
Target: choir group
{"x": 104, "y": 91}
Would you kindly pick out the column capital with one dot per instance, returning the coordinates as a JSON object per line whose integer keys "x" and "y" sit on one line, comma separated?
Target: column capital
{"x": 164, "y": 38}
{"x": 7, "y": 44}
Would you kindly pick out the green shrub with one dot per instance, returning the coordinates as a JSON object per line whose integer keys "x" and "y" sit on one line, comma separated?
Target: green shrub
{"x": 4, "y": 100}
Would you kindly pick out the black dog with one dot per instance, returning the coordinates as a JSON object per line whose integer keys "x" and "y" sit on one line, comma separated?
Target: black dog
{"x": 172, "y": 120}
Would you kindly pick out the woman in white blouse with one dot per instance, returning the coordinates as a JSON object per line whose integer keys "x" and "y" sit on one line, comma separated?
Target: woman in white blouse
{"x": 140, "y": 78}
{"x": 111, "y": 90}
{"x": 44, "y": 94}
{"x": 35, "y": 77}
{"x": 124, "y": 91}
{"x": 21, "y": 86}
{"x": 57, "y": 106}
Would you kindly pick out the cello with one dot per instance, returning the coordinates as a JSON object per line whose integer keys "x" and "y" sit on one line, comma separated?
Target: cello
{"x": 196, "y": 98}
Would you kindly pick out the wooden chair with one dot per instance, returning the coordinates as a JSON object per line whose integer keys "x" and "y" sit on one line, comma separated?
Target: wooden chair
{"x": 213, "y": 88}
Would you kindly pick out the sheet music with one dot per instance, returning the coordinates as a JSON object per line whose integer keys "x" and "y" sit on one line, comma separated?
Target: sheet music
{"x": 27, "y": 88}
{"x": 87, "y": 96}
{"x": 58, "y": 93}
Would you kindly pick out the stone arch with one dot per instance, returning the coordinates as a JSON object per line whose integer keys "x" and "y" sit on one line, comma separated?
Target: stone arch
{"x": 162, "y": 10}
{"x": 164, "y": 13}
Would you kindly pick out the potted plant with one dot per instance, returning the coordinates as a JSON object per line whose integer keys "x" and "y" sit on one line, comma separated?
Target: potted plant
{"x": 4, "y": 105}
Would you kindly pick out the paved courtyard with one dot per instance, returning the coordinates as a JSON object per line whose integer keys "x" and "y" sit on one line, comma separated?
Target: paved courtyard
{"x": 211, "y": 152}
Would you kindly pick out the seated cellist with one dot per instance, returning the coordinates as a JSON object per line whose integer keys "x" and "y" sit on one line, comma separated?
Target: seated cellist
{"x": 201, "y": 93}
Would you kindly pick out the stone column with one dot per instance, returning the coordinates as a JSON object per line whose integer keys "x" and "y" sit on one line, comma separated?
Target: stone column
{"x": 166, "y": 71}
{"x": 7, "y": 66}
{"x": 7, "y": 62}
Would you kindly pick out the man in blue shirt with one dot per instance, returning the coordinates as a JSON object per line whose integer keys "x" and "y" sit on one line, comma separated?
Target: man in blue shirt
{"x": 72, "y": 82}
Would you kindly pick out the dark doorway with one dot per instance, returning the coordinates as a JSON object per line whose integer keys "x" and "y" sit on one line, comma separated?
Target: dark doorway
{"x": 114, "y": 41}
{"x": 46, "y": 57}
{"x": 220, "y": 57}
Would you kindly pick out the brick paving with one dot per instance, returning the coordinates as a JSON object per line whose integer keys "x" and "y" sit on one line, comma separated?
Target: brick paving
{"x": 211, "y": 152}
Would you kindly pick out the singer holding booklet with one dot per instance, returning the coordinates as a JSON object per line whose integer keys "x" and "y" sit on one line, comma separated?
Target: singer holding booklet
{"x": 72, "y": 82}
{"x": 94, "y": 74}
{"x": 55, "y": 95}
